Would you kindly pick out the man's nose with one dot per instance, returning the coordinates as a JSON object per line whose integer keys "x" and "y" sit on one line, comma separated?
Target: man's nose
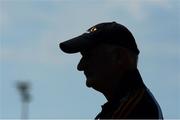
{"x": 81, "y": 65}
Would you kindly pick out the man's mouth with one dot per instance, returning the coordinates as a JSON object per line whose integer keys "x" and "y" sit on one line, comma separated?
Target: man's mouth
{"x": 86, "y": 74}
{"x": 88, "y": 79}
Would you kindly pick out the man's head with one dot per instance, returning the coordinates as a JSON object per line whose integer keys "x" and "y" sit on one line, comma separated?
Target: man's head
{"x": 104, "y": 65}
{"x": 108, "y": 51}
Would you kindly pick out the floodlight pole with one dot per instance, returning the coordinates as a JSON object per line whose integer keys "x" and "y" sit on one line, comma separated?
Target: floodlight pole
{"x": 24, "y": 110}
{"x": 23, "y": 88}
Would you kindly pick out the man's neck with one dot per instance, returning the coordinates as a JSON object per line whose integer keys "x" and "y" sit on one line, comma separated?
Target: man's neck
{"x": 127, "y": 83}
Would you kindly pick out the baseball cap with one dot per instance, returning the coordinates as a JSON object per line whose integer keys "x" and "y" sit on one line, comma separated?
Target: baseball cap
{"x": 108, "y": 32}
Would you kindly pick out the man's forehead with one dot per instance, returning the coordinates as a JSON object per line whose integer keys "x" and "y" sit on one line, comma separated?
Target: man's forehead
{"x": 88, "y": 51}
{"x": 100, "y": 48}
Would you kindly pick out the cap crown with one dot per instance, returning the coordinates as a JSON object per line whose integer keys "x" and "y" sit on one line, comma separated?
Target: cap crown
{"x": 114, "y": 33}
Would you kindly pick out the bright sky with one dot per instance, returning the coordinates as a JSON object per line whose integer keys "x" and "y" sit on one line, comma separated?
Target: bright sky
{"x": 31, "y": 31}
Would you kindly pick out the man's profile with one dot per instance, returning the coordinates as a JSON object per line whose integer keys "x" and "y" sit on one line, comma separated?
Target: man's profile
{"x": 109, "y": 61}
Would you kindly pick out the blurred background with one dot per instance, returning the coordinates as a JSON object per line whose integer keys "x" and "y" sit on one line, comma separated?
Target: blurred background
{"x": 31, "y": 30}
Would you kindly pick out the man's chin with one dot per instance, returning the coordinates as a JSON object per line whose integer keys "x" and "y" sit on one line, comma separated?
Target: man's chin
{"x": 91, "y": 84}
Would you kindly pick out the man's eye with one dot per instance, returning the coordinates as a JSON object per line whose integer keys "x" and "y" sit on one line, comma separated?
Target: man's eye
{"x": 86, "y": 56}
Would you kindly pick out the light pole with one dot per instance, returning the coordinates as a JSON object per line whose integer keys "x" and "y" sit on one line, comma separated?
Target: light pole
{"x": 23, "y": 88}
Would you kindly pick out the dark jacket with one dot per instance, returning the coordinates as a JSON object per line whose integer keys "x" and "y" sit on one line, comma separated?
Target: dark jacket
{"x": 139, "y": 103}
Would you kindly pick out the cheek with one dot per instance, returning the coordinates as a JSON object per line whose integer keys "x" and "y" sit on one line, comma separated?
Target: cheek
{"x": 103, "y": 70}
{"x": 101, "y": 67}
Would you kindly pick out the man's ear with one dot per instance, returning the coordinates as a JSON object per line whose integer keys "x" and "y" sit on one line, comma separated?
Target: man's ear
{"x": 131, "y": 59}
{"x": 118, "y": 56}
{"x": 123, "y": 58}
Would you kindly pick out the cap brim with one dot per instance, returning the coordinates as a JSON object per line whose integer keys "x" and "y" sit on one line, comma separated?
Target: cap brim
{"x": 77, "y": 44}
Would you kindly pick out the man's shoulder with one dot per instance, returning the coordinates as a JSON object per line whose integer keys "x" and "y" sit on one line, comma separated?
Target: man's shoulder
{"x": 139, "y": 104}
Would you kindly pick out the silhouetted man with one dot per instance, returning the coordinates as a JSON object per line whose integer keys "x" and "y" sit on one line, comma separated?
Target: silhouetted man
{"x": 109, "y": 61}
